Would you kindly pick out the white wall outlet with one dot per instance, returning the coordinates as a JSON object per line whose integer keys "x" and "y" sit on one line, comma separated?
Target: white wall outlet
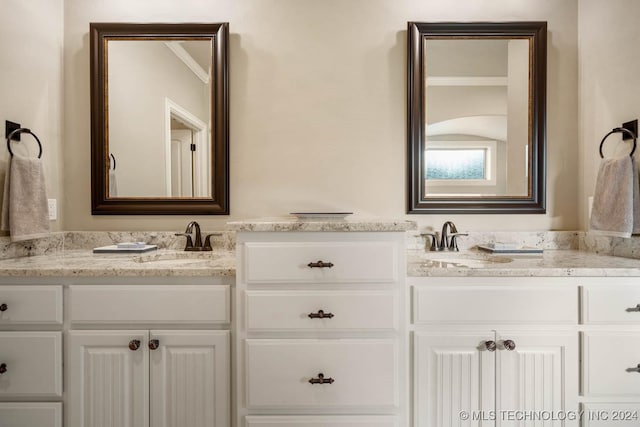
{"x": 53, "y": 209}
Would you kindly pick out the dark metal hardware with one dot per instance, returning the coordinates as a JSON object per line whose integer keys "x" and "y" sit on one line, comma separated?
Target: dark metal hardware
{"x": 111, "y": 156}
{"x": 321, "y": 315}
{"x": 509, "y": 345}
{"x": 196, "y": 246}
{"x": 630, "y": 126}
{"x": 434, "y": 246}
{"x": 22, "y": 130}
{"x": 9, "y": 127}
{"x": 636, "y": 369}
{"x": 4, "y": 307}
{"x": 490, "y": 345}
{"x": 154, "y": 344}
{"x": 321, "y": 380}
{"x": 632, "y": 309}
{"x": 320, "y": 264}
{"x": 3, "y": 368}
{"x": 134, "y": 345}
{"x": 624, "y": 132}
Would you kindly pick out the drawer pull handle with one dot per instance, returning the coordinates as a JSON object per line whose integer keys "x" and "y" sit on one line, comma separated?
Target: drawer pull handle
{"x": 632, "y": 309}
{"x": 154, "y": 344}
{"x": 4, "y": 307}
{"x": 490, "y": 345}
{"x": 320, "y": 264}
{"x": 134, "y": 345}
{"x": 3, "y": 368}
{"x": 509, "y": 345}
{"x": 321, "y": 380}
{"x": 321, "y": 315}
{"x": 636, "y": 369}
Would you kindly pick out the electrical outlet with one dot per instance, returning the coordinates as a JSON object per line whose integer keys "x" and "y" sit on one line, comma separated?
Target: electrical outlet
{"x": 53, "y": 209}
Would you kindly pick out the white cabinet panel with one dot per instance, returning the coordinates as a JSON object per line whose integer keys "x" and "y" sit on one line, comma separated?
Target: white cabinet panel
{"x": 352, "y": 262}
{"x": 453, "y": 372}
{"x": 153, "y": 304}
{"x": 32, "y": 364}
{"x": 611, "y": 414}
{"x": 611, "y": 363}
{"x": 20, "y": 414}
{"x": 364, "y": 371}
{"x": 30, "y": 305}
{"x": 190, "y": 379}
{"x": 109, "y": 382}
{"x": 539, "y": 376}
{"x": 495, "y": 305}
{"x": 321, "y": 421}
{"x": 349, "y": 310}
{"x": 611, "y": 304}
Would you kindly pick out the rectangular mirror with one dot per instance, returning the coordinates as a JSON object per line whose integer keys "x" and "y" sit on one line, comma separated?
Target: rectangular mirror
{"x": 159, "y": 118}
{"x": 476, "y": 119}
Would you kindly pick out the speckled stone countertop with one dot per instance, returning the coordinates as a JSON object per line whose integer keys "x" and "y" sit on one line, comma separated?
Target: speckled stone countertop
{"x": 84, "y": 263}
{"x": 553, "y": 263}
{"x": 320, "y": 224}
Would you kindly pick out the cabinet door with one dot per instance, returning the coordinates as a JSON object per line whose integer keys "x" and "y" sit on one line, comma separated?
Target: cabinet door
{"x": 189, "y": 382}
{"x": 108, "y": 379}
{"x": 30, "y": 414}
{"x": 454, "y": 376}
{"x": 537, "y": 379}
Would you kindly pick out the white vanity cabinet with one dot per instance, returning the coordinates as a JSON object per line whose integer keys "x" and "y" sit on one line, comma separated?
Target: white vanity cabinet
{"x": 321, "y": 329}
{"x": 610, "y": 318}
{"x": 133, "y": 359}
{"x": 489, "y": 351}
{"x": 30, "y": 356}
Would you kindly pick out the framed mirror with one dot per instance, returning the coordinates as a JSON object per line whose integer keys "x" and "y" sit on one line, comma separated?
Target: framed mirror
{"x": 159, "y": 119}
{"x": 476, "y": 117}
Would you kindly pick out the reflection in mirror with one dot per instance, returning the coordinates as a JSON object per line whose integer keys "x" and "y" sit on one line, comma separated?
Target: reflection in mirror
{"x": 159, "y": 118}
{"x": 476, "y": 119}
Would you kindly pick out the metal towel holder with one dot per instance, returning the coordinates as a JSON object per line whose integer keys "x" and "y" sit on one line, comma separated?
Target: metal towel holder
{"x": 622, "y": 130}
{"x": 23, "y": 130}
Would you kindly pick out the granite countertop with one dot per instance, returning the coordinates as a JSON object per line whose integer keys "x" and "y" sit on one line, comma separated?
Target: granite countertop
{"x": 84, "y": 263}
{"x": 321, "y": 224}
{"x": 558, "y": 263}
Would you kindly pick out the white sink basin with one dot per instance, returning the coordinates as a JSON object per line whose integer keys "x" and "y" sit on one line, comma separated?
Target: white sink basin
{"x": 463, "y": 260}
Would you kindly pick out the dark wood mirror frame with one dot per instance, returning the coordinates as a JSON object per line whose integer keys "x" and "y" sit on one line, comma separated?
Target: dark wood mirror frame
{"x": 218, "y": 204}
{"x": 534, "y": 203}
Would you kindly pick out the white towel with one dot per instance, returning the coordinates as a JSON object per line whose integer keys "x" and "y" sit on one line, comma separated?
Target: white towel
{"x": 113, "y": 184}
{"x": 25, "y": 211}
{"x": 616, "y": 201}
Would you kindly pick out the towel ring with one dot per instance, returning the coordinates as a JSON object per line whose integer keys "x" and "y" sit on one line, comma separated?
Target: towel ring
{"x": 623, "y": 130}
{"x": 23, "y": 130}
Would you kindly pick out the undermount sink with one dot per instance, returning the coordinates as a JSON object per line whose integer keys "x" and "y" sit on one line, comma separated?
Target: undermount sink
{"x": 464, "y": 260}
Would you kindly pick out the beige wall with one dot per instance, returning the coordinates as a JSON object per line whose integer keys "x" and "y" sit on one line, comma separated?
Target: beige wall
{"x": 31, "y": 34}
{"x": 609, "y": 82}
{"x": 318, "y": 105}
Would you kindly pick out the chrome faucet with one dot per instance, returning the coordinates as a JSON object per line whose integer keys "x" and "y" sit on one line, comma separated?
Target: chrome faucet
{"x": 197, "y": 246}
{"x": 448, "y": 238}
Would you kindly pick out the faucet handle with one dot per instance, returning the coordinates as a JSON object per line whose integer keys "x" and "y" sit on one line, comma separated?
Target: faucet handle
{"x": 189, "y": 245}
{"x": 207, "y": 241}
{"x": 434, "y": 240}
{"x": 453, "y": 243}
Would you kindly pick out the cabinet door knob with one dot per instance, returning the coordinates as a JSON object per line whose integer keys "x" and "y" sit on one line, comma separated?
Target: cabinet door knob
{"x": 321, "y": 380}
{"x": 3, "y": 307}
{"x": 3, "y": 368}
{"x": 320, "y": 264}
{"x": 134, "y": 345}
{"x": 632, "y": 309}
{"x": 490, "y": 345}
{"x": 509, "y": 345}
{"x": 154, "y": 344}
{"x": 321, "y": 315}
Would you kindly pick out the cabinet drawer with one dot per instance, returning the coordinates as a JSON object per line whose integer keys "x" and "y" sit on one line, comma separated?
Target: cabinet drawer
{"x": 610, "y": 363}
{"x": 611, "y": 414}
{"x": 160, "y": 304}
{"x": 33, "y": 363}
{"x": 352, "y": 262}
{"x": 322, "y": 421}
{"x": 30, "y": 305}
{"x": 30, "y": 414}
{"x": 365, "y": 374}
{"x": 455, "y": 304}
{"x": 350, "y": 310}
{"x": 611, "y": 304}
